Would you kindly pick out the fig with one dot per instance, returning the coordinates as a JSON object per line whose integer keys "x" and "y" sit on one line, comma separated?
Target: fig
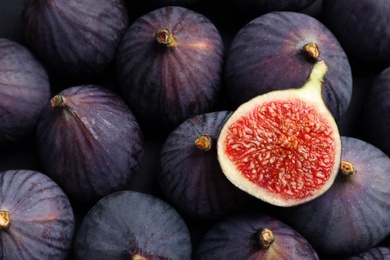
{"x": 253, "y": 236}
{"x": 132, "y": 225}
{"x": 277, "y": 50}
{"x": 190, "y": 176}
{"x": 379, "y": 252}
{"x": 362, "y": 27}
{"x": 353, "y": 215}
{"x": 169, "y": 66}
{"x": 89, "y": 142}
{"x": 76, "y": 39}
{"x": 24, "y": 87}
{"x": 259, "y": 7}
{"x": 376, "y": 112}
{"x": 36, "y": 217}
{"x": 284, "y": 146}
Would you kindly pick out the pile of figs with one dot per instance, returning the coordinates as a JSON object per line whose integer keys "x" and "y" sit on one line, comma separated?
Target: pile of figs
{"x": 194, "y": 129}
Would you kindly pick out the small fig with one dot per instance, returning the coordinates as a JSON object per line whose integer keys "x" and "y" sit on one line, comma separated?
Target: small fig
{"x": 283, "y": 147}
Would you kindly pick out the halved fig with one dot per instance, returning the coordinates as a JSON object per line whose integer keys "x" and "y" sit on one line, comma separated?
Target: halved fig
{"x": 283, "y": 147}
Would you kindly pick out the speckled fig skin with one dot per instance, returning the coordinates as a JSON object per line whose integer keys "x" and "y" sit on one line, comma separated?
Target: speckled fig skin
{"x": 376, "y": 111}
{"x": 189, "y": 174}
{"x": 76, "y": 39}
{"x": 240, "y": 236}
{"x": 167, "y": 82}
{"x": 353, "y": 215}
{"x": 41, "y": 220}
{"x": 268, "y": 53}
{"x": 132, "y": 225}
{"x": 380, "y": 252}
{"x": 89, "y": 142}
{"x": 24, "y": 88}
{"x": 362, "y": 27}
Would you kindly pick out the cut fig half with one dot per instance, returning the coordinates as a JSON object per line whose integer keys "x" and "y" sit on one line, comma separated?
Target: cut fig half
{"x": 283, "y": 147}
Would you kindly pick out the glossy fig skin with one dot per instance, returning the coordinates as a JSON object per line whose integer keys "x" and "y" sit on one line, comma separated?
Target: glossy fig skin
{"x": 376, "y": 112}
{"x": 267, "y": 53}
{"x": 167, "y": 83}
{"x": 42, "y": 223}
{"x": 362, "y": 27}
{"x": 353, "y": 215}
{"x": 76, "y": 39}
{"x": 126, "y": 224}
{"x": 24, "y": 87}
{"x": 191, "y": 178}
{"x": 89, "y": 142}
{"x": 237, "y": 237}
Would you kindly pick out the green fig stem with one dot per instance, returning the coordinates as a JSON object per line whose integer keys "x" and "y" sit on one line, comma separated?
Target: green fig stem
{"x": 347, "y": 169}
{"x": 203, "y": 142}
{"x": 5, "y": 219}
{"x": 266, "y": 237}
{"x": 312, "y": 50}
{"x": 166, "y": 37}
{"x": 316, "y": 77}
{"x": 57, "y": 101}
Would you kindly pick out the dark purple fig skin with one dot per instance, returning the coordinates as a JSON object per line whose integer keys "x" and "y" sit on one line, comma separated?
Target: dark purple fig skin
{"x": 362, "y": 27}
{"x": 353, "y": 215}
{"x": 236, "y": 237}
{"x": 127, "y": 223}
{"x": 375, "y": 253}
{"x": 24, "y": 88}
{"x": 191, "y": 178}
{"x": 376, "y": 111}
{"x": 92, "y": 145}
{"x": 42, "y": 223}
{"x": 76, "y": 39}
{"x": 266, "y": 54}
{"x": 259, "y": 7}
{"x": 166, "y": 85}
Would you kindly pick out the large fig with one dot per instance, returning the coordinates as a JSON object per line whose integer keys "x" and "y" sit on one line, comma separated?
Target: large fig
{"x": 76, "y": 38}
{"x": 376, "y": 112}
{"x": 132, "y": 225}
{"x": 353, "y": 215}
{"x": 170, "y": 66}
{"x": 24, "y": 89}
{"x": 278, "y": 50}
{"x": 89, "y": 142}
{"x": 36, "y": 217}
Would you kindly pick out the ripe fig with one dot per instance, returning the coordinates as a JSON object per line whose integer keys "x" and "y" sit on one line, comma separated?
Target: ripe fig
{"x": 353, "y": 215}
{"x": 277, "y": 50}
{"x": 190, "y": 176}
{"x": 362, "y": 27}
{"x": 253, "y": 236}
{"x": 36, "y": 217}
{"x": 24, "y": 87}
{"x": 75, "y": 39}
{"x": 170, "y": 66}
{"x": 376, "y": 112}
{"x": 374, "y": 253}
{"x": 283, "y": 147}
{"x": 89, "y": 142}
{"x": 132, "y": 225}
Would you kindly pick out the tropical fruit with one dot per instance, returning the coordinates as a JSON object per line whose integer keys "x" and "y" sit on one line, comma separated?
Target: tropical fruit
{"x": 283, "y": 147}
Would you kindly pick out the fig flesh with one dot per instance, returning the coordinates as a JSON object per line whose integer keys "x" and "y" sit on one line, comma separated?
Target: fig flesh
{"x": 283, "y": 147}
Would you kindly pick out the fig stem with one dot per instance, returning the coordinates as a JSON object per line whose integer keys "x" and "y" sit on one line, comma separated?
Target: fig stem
{"x": 312, "y": 50}
{"x": 57, "y": 101}
{"x": 166, "y": 37}
{"x": 4, "y": 219}
{"x": 138, "y": 257}
{"x": 316, "y": 77}
{"x": 203, "y": 142}
{"x": 266, "y": 237}
{"x": 347, "y": 169}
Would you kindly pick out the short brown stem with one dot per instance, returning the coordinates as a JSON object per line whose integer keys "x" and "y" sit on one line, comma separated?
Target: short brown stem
{"x": 166, "y": 37}
{"x": 5, "y": 220}
{"x": 347, "y": 169}
{"x": 312, "y": 50}
{"x": 57, "y": 101}
{"x": 203, "y": 142}
{"x": 138, "y": 257}
{"x": 266, "y": 237}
